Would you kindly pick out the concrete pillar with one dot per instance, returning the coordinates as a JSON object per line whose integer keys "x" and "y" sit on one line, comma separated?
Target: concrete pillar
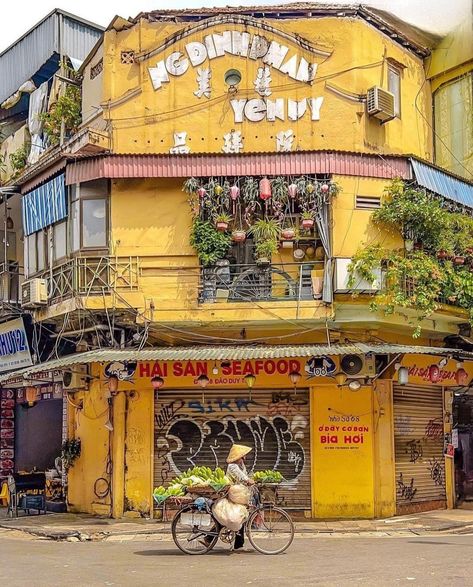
{"x": 118, "y": 455}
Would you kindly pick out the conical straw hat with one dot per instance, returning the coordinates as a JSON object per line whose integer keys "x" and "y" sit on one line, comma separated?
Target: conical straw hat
{"x": 237, "y": 452}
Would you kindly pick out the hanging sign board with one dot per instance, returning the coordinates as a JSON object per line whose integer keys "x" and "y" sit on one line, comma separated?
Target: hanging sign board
{"x": 14, "y": 349}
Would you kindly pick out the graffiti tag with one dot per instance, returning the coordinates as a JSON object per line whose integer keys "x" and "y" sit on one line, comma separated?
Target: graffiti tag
{"x": 404, "y": 491}
{"x": 436, "y": 472}
{"x": 434, "y": 429}
{"x": 414, "y": 450}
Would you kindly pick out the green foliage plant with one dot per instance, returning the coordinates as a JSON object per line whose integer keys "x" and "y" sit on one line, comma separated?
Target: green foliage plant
{"x": 209, "y": 243}
{"x": 71, "y": 449}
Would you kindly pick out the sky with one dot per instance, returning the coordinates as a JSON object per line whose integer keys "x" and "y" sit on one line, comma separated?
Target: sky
{"x": 438, "y": 16}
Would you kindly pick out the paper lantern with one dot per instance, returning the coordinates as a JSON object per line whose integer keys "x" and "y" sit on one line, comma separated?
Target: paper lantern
{"x": 324, "y": 188}
{"x": 461, "y": 377}
{"x": 201, "y": 192}
{"x": 234, "y": 192}
{"x": 265, "y": 189}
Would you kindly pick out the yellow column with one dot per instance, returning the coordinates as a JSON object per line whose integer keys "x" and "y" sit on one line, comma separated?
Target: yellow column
{"x": 118, "y": 455}
{"x": 449, "y": 465}
{"x": 384, "y": 470}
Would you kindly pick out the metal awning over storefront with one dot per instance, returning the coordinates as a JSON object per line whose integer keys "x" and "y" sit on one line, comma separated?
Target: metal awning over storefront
{"x": 230, "y": 353}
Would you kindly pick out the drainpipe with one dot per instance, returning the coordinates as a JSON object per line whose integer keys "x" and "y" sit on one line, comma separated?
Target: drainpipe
{"x": 118, "y": 454}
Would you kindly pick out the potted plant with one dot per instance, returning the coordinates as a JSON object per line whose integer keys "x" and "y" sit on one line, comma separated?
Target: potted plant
{"x": 238, "y": 236}
{"x": 288, "y": 233}
{"x": 265, "y": 250}
{"x": 307, "y": 220}
{"x": 191, "y": 185}
{"x": 222, "y": 220}
{"x": 459, "y": 260}
{"x": 265, "y": 229}
{"x": 209, "y": 243}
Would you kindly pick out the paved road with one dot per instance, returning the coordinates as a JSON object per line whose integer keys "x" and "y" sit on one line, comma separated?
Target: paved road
{"x": 326, "y": 561}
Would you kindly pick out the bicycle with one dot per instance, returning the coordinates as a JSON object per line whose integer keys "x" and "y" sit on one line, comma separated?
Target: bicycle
{"x": 270, "y": 529}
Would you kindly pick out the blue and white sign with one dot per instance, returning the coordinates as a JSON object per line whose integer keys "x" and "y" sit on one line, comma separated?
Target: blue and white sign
{"x": 14, "y": 349}
{"x": 320, "y": 367}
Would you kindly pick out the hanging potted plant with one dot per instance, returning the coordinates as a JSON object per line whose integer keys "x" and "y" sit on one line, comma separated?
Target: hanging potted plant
{"x": 70, "y": 452}
{"x": 288, "y": 233}
{"x": 307, "y": 220}
{"x": 459, "y": 260}
{"x": 238, "y": 236}
{"x": 222, "y": 220}
{"x": 191, "y": 185}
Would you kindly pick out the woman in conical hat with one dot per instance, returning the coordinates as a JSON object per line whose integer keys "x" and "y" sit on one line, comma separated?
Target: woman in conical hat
{"x": 237, "y": 472}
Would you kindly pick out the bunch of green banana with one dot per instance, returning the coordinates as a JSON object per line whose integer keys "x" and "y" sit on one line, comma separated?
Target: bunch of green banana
{"x": 268, "y": 476}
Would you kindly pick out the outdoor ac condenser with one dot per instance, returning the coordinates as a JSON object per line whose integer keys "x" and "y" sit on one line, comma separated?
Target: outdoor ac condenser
{"x": 341, "y": 278}
{"x": 34, "y": 293}
{"x": 380, "y": 104}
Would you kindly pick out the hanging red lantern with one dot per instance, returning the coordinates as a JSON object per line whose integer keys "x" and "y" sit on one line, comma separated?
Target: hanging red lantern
{"x": 292, "y": 190}
{"x": 324, "y": 188}
{"x": 201, "y": 192}
{"x": 234, "y": 192}
{"x": 265, "y": 189}
{"x": 434, "y": 373}
{"x": 461, "y": 377}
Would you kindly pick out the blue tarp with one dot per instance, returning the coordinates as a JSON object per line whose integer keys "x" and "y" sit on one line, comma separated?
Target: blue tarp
{"x": 44, "y": 205}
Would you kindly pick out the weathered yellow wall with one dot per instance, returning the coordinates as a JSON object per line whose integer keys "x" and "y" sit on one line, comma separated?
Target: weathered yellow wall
{"x": 92, "y": 88}
{"x": 145, "y": 122}
{"x": 88, "y": 424}
{"x": 342, "y": 471}
{"x": 384, "y": 469}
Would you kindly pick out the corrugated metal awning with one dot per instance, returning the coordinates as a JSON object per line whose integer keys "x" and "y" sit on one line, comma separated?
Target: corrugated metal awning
{"x": 229, "y": 353}
{"x": 297, "y": 163}
{"x": 440, "y": 182}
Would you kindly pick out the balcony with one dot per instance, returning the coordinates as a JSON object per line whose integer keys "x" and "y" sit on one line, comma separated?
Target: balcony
{"x": 254, "y": 282}
{"x": 92, "y": 276}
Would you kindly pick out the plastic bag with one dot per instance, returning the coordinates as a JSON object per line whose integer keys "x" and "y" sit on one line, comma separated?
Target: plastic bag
{"x": 231, "y": 515}
{"x": 239, "y": 494}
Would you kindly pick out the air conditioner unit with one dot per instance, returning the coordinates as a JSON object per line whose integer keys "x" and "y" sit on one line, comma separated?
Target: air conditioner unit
{"x": 34, "y": 293}
{"x": 76, "y": 378}
{"x": 356, "y": 366}
{"x": 380, "y": 104}
{"x": 342, "y": 278}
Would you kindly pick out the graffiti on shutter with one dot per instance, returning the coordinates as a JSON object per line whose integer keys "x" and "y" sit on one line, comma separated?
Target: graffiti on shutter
{"x": 418, "y": 439}
{"x": 193, "y": 431}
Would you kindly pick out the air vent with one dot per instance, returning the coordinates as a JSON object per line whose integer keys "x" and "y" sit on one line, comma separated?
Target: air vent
{"x": 368, "y": 202}
{"x": 351, "y": 364}
{"x": 127, "y": 57}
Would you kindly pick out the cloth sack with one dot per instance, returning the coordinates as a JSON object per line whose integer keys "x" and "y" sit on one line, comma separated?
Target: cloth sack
{"x": 230, "y": 515}
{"x": 240, "y": 494}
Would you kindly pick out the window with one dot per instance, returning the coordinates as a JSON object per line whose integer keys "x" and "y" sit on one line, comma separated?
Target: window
{"x": 394, "y": 86}
{"x": 36, "y": 252}
{"x": 74, "y": 219}
{"x": 94, "y": 223}
{"x": 59, "y": 240}
{"x": 30, "y": 256}
{"x": 41, "y": 247}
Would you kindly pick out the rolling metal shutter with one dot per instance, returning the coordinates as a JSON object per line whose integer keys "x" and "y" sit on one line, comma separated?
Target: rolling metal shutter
{"x": 418, "y": 442}
{"x": 194, "y": 430}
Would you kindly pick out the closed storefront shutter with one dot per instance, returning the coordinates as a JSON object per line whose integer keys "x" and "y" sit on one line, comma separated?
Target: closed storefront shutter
{"x": 418, "y": 440}
{"x": 194, "y": 430}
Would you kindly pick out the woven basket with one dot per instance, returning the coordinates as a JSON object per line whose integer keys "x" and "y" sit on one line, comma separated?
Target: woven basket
{"x": 204, "y": 490}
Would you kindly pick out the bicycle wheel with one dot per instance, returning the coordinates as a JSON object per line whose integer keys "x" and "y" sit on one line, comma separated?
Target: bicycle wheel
{"x": 270, "y": 530}
{"x": 193, "y": 531}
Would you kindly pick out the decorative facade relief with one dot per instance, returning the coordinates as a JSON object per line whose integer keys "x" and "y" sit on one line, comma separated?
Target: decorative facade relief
{"x": 180, "y": 147}
{"x": 233, "y": 142}
{"x": 204, "y": 76}
{"x": 263, "y": 81}
{"x": 284, "y": 140}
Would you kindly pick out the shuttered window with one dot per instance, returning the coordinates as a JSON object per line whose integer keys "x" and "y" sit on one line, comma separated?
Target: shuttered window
{"x": 418, "y": 442}
{"x": 191, "y": 430}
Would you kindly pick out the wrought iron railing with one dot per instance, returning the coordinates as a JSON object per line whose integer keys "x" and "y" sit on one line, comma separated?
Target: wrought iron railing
{"x": 92, "y": 276}
{"x": 255, "y": 282}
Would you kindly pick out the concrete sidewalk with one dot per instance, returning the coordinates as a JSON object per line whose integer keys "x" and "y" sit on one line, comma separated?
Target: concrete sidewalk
{"x": 84, "y": 527}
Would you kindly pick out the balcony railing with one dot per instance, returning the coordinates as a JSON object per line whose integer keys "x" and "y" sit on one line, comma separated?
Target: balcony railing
{"x": 253, "y": 282}
{"x": 84, "y": 276}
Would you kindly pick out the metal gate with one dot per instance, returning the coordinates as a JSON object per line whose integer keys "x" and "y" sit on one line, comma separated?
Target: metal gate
{"x": 192, "y": 429}
{"x": 418, "y": 442}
